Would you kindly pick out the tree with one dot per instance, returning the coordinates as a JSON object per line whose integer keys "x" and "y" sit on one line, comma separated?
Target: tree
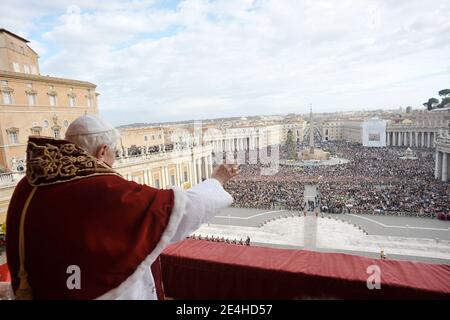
{"x": 291, "y": 146}
{"x": 444, "y": 93}
{"x": 431, "y": 103}
{"x": 444, "y": 102}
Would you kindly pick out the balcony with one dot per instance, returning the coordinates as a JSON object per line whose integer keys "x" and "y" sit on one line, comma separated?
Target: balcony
{"x": 200, "y": 269}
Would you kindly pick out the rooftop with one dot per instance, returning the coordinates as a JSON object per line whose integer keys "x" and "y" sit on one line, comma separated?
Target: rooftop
{"x": 14, "y": 35}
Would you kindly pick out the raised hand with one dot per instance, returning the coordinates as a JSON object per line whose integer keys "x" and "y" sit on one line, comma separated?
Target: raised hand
{"x": 224, "y": 172}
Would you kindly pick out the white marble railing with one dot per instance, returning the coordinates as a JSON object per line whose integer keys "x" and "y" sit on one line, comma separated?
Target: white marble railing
{"x": 414, "y": 127}
{"x": 10, "y": 178}
{"x": 443, "y": 140}
{"x": 164, "y": 155}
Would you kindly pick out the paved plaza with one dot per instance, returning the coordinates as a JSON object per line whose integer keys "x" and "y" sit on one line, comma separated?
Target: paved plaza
{"x": 403, "y": 238}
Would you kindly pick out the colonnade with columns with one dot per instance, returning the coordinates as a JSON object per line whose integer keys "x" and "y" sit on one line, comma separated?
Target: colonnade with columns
{"x": 233, "y": 144}
{"x": 182, "y": 168}
{"x": 411, "y": 138}
{"x": 442, "y": 158}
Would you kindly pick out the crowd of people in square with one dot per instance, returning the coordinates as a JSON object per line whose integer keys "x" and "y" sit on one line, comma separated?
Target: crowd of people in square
{"x": 375, "y": 180}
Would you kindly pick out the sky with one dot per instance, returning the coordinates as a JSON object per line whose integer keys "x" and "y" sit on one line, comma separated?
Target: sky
{"x": 156, "y": 61}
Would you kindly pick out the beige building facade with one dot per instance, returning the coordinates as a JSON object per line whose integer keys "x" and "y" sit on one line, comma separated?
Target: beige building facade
{"x": 147, "y": 136}
{"x": 418, "y": 130}
{"x": 31, "y": 104}
{"x": 352, "y": 130}
{"x": 331, "y": 130}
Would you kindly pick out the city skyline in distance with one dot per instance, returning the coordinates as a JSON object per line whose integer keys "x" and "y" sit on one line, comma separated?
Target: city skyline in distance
{"x": 167, "y": 61}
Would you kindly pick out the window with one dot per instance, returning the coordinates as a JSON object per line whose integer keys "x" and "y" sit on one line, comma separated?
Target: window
{"x": 36, "y": 131}
{"x": 26, "y": 68}
{"x": 56, "y": 133}
{"x": 7, "y": 97}
{"x": 31, "y": 99}
{"x": 66, "y": 123}
{"x": 153, "y": 137}
{"x": 89, "y": 101}
{"x": 13, "y": 137}
{"x": 72, "y": 101}
{"x": 145, "y": 138}
{"x": 45, "y": 124}
{"x": 16, "y": 67}
{"x": 22, "y": 50}
{"x": 4, "y": 83}
{"x": 52, "y": 100}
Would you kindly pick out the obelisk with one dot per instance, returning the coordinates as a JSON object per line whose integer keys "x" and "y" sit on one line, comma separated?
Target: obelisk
{"x": 311, "y": 132}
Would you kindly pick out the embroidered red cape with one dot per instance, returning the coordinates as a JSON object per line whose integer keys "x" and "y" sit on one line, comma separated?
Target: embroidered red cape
{"x": 83, "y": 214}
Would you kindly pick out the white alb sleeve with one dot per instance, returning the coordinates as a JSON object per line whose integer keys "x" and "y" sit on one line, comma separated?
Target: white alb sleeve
{"x": 198, "y": 205}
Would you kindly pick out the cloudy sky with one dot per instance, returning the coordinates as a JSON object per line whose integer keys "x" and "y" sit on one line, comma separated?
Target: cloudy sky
{"x": 194, "y": 59}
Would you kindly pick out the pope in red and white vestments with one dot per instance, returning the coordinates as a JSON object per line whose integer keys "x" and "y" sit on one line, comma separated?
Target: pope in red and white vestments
{"x": 72, "y": 209}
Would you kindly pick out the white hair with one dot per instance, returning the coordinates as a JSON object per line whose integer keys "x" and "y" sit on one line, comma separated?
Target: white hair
{"x": 91, "y": 142}
{"x": 90, "y": 132}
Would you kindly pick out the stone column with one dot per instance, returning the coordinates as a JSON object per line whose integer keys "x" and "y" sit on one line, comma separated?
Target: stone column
{"x": 168, "y": 182}
{"x": 444, "y": 166}
{"x": 178, "y": 173}
{"x": 205, "y": 167}
{"x": 429, "y": 140}
{"x": 194, "y": 171}
{"x": 210, "y": 166}
{"x": 146, "y": 180}
{"x": 191, "y": 180}
{"x": 438, "y": 165}
{"x": 199, "y": 170}
{"x": 163, "y": 177}
{"x": 422, "y": 142}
